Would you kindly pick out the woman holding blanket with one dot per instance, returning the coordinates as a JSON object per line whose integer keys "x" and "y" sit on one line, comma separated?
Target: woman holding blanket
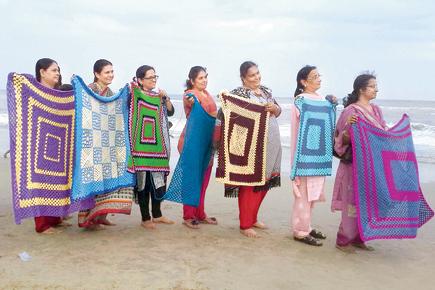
{"x": 357, "y": 105}
{"x": 118, "y": 201}
{"x": 47, "y": 73}
{"x": 307, "y": 190}
{"x": 151, "y": 180}
{"x": 196, "y": 86}
{"x": 251, "y": 197}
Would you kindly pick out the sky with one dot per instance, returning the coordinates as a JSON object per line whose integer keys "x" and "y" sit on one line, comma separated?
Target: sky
{"x": 393, "y": 38}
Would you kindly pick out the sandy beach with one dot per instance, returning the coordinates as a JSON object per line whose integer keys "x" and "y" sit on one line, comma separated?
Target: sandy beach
{"x": 127, "y": 256}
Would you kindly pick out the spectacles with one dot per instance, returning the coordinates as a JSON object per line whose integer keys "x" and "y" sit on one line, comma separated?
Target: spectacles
{"x": 151, "y": 78}
{"x": 373, "y": 87}
{"x": 314, "y": 77}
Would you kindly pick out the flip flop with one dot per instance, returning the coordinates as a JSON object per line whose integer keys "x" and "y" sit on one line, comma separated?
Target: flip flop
{"x": 317, "y": 234}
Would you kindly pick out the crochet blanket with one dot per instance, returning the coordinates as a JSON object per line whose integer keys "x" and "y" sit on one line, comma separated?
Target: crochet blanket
{"x": 389, "y": 201}
{"x": 185, "y": 186}
{"x": 41, "y": 126}
{"x": 242, "y": 154}
{"x": 102, "y": 142}
{"x": 149, "y": 132}
{"x": 313, "y": 153}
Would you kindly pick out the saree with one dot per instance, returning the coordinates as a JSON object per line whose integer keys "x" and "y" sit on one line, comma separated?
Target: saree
{"x": 116, "y": 201}
{"x": 102, "y": 147}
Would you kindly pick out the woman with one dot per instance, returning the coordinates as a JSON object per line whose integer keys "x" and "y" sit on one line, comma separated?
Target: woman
{"x": 197, "y": 85}
{"x": 47, "y": 73}
{"x": 112, "y": 202}
{"x": 357, "y": 104}
{"x": 310, "y": 189}
{"x": 146, "y": 79}
{"x": 251, "y": 197}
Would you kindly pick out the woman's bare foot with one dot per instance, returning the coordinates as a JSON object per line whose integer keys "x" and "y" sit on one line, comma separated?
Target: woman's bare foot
{"x": 209, "y": 221}
{"x": 106, "y": 222}
{"x": 191, "y": 223}
{"x": 260, "y": 225}
{"x": 51, "y": 231}
{"x": 346, "y": 249}
{"x": 149, "y": 225}
{"x": 163, "y": 220}
{"x": 250, "y": 233}
{"x": 94, "y": 227}
{"x": 64, "y": 224}
{"x": 67, "y": 217}
{"x": 363, "y": 246}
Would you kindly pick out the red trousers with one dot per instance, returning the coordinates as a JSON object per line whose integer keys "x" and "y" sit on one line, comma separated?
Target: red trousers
{"x": 43, "y": 223}
{"x": 249, "y": 204}
{"x": 198, "y": 213}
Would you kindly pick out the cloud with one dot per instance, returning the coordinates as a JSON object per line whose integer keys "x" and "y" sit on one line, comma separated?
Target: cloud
{"x": 342, "y": 38}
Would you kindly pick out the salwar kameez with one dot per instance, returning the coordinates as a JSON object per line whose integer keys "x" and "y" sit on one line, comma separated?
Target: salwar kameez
{"x": 198, "y": 213}
{"x": 209, "y": 105}
{"x": 43, "y": 223}
{"x": 251, "y": 197}
{"x": 306, "y": 190}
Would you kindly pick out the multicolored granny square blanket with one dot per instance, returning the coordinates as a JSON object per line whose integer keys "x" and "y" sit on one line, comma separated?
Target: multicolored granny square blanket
{"x": 185, "y": 186}
{"x": 313, "y": 153}
{"x": 389, "y": 201}
{"x": 149, "y": 140}
{"x": 102, "y": 142}
{"x": 242, "y": 154}
{"x": 41, "y": 126}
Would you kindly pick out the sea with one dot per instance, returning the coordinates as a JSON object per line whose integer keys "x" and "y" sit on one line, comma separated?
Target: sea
{"x": 421, "y": 113}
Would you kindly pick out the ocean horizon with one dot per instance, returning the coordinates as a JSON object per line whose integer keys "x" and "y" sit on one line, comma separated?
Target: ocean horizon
{"x": 421, "y": 113}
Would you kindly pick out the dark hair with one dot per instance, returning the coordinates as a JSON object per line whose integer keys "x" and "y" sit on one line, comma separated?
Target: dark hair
{"x": 99, "y": 65}
{"x": 302, "y": 75}
{"x": 43, "y": 63}
{"x": 244, "y": 67}
{"x": 65, "y": 87}
{"x": 360, "y": 83}
{"x": 141, "y": 73}
{"x": 193, "y": 74}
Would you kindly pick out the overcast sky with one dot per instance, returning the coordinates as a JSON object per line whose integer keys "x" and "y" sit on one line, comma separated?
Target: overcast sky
{"x": 396, "y": 39}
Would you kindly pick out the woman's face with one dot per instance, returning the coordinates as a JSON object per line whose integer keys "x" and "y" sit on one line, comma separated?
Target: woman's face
{"x": 201, "y": 81}
{"x": 106, "y": 75}
{"x": 252, "y": 79}
{"x": 149, "y": 81}
{"x": 370, "y": 92}
{"x": 313, "y": 81}
{"x": 50, "y": 76}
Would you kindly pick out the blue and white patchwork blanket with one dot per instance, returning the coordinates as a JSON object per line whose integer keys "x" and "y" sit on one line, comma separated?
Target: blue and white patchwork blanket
{"x": 102, "y": 142}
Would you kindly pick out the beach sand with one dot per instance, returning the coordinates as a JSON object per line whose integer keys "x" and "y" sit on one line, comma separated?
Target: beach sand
{"x": 127, "y": 256}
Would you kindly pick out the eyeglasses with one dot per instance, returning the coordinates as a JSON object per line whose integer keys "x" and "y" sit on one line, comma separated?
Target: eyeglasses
{"x": 373, "y": 87}
{"x": 316, "y": 77}
{"x": 151, "y": 78}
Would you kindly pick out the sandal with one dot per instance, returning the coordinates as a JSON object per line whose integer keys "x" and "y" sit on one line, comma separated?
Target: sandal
{"x": 309, "y": 240}
{"x": 193, "y": 224}
{"x": 317, "y": 234}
